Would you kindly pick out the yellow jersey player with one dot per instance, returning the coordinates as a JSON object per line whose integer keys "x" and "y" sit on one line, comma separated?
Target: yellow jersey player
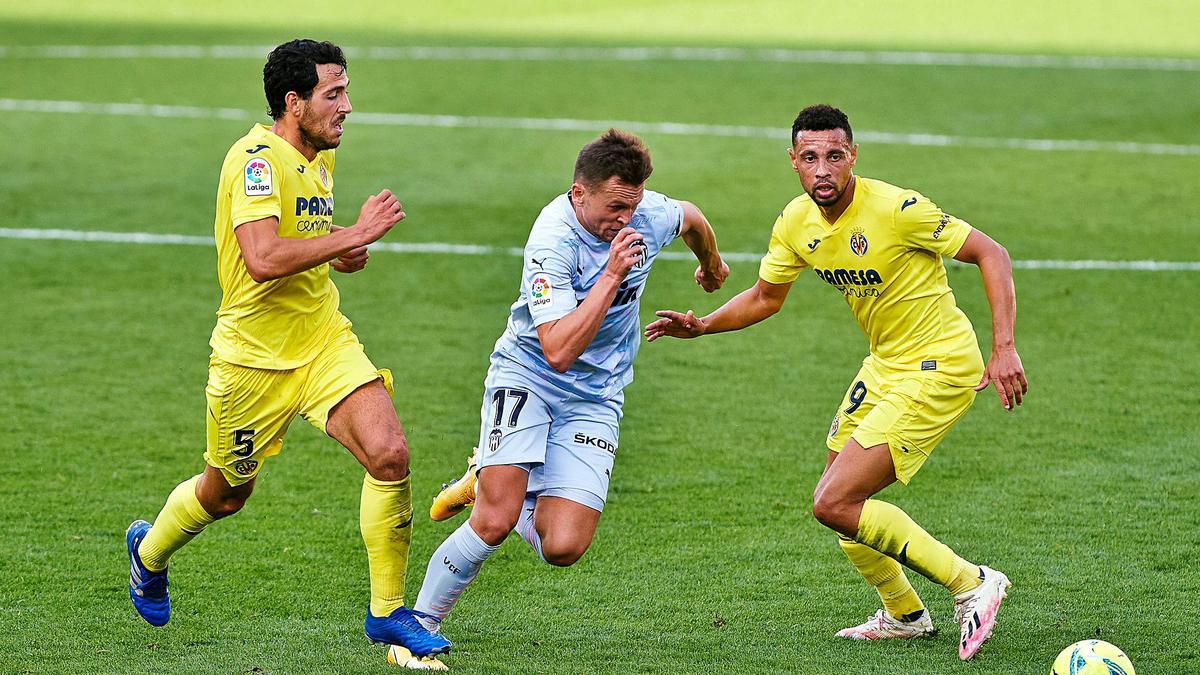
{"x": 282, "y": 348}
{"x": 880, "y": 247}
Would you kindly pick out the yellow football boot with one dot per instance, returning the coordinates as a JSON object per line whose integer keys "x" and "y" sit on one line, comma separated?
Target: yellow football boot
{"x": 456, "y": 495}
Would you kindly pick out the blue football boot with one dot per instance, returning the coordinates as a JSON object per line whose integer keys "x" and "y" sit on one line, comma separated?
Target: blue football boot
{"x": 402, "y": 628}
{"x": 147, "y": 589}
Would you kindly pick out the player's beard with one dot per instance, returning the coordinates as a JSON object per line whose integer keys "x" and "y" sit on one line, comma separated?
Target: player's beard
{"x": 310, "y": 133}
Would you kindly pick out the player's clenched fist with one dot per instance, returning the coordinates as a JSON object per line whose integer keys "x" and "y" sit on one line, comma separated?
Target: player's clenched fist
{"x": 351, "y": 261}
{"x": 711, "y": 280}
{"x": 378, "y": 214}
{"x": 626, "y": 251}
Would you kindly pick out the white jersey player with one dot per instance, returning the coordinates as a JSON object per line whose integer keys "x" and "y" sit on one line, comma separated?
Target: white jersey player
{"x": 553, "y": 394}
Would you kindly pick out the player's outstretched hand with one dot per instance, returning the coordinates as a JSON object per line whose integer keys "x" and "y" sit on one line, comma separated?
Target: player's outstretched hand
{"x": 626, "y": 250}
{"x": 711, "y": 280}
{"x": 1005, "y": 371}
{"x": 352, "y": 261}
{"x": 378, "y": 214}
{"x": 674, "y": 324}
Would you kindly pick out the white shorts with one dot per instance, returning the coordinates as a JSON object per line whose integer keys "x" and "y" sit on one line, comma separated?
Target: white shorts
{"x": 567, "y": 443}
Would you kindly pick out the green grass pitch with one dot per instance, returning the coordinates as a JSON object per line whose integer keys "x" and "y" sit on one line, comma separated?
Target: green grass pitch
{"x": 707, "y": 559}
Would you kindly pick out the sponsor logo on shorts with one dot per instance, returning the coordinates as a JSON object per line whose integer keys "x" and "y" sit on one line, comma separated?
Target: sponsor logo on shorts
{"x": 858, "y": 243}
{"x": 833, "y": 427}
{"x": 584, "y": 439}
{"x": 929, "y": 365}
{"x": 258, "y": 177}
{"x": 494, "y": 439}
{"x": 540, "y": 290}
{"x": 245, "y": 467}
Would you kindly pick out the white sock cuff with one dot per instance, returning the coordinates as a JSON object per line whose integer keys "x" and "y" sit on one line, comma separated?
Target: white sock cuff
{"x": 471, "y": 546}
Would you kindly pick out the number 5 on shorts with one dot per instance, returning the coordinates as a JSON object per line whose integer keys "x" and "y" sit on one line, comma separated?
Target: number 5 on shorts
{"x": 244, "y": 439}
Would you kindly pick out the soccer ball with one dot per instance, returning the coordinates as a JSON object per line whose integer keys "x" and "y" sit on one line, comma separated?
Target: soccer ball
{"x": 1092, "y": 657}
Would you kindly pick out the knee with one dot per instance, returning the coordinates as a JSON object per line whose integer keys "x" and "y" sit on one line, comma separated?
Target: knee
{"x": 563, "y": 553}
{"x": 226, "y": 506}
{"x": 389, "y": 460}
{"x": 493, "y": 527}
{"x": 833, "y": 511}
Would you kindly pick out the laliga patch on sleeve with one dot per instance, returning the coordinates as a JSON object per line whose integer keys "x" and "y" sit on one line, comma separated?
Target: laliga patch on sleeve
{"x": 540, "y": 290}
{"x": 258, "y": 177}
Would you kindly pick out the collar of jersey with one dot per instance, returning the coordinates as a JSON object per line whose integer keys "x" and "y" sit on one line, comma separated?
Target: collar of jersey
{"x": 281, "y": 142}
{"x": 588, "y": 238}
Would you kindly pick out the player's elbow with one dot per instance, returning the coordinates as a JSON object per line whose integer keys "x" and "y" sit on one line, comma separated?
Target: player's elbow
{"x": 559, "y": 357}
{"x": 559, "y": 360}
{"x": 259, "y": 270}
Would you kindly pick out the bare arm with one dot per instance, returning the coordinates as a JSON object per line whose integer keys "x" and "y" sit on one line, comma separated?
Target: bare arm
{"x": 1004, "y": 368}
{"x": 269, "y": 256}
{"x": 698, "y": 235}
{"x": 563, "y": 340}
{"x": 747, "y": 308}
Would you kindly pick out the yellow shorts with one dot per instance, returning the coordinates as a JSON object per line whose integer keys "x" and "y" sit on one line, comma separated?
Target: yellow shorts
{"x": 911, "y": 411}
{"x": 249, "y": 409}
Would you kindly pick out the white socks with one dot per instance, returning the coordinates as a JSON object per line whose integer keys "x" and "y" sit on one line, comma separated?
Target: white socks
{"x": 451, "y": 569}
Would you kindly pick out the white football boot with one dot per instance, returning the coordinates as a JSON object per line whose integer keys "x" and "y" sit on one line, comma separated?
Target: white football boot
{"x": 882, "y": 626}
{"x": 975, "y": 611}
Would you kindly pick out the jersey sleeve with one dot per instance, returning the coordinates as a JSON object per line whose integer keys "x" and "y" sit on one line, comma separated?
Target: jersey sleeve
{"x": 255, "y": 190}
{"x": 922, "y": 225}
{"x": 781, "y": 264}
{"x": 673, "y": 224}
{"x": 546, "y": 282}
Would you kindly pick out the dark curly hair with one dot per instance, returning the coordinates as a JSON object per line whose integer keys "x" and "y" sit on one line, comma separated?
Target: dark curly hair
{"x": 821, "y": 117}
{"x": 292, "y": 66}
{"x": 615, "y": 153}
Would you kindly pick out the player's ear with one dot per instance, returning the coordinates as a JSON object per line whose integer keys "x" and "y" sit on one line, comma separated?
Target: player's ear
{"x": 853, "y": 154}
{"x": 292, "y": 101}
{"x": 792, "y": 157}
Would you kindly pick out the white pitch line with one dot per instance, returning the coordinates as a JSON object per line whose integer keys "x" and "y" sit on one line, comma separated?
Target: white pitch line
{"x": 635, "y": 54}
{"x": 441, "y": 248}
{"x": 592, "y": 126}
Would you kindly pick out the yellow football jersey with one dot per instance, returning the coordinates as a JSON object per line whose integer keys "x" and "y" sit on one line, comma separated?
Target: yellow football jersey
{"x": 884, "y": 256}
{"x": 280, "y": 324}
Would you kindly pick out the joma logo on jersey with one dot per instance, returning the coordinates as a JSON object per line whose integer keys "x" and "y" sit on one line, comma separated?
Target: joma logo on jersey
{"x": 314, "y": 206}
{"x": 584, "y": 439}
{"x": 843, "y": 277}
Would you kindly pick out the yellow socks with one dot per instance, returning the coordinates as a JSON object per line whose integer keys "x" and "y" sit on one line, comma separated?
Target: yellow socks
{"x": 385, "y": 520}
{"x": 886, "y": 575}
{"x": 181, "y": 519}
{"x": 890, "y": 531}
